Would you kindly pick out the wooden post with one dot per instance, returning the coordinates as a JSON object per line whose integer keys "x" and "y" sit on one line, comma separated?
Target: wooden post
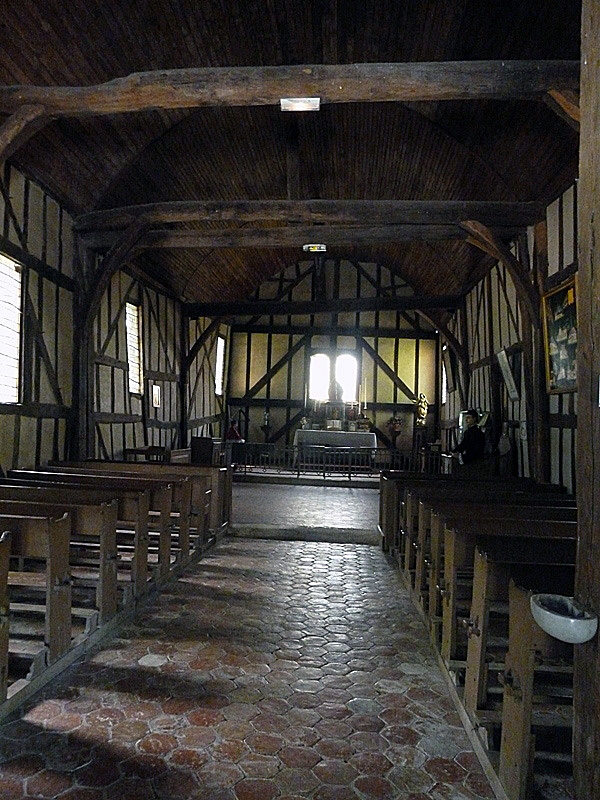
{"x": 586, "y": 697}
{"x": 184, "y": 371}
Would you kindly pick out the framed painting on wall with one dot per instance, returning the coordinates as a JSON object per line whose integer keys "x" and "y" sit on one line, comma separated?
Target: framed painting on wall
{"x": 559, "y": 319}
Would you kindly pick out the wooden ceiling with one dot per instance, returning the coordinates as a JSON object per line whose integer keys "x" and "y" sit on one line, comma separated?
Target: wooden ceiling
{"x": 225, "y": 141}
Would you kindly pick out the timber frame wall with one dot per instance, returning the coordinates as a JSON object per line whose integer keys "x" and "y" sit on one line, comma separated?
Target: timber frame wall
{"x": 491, "y": 319}
{"x": 37, "y": 232}
{"x": 119, "y": 418}
{"x": 178, "y": 356}
{"x": 204, "y": 411}
{"x": 269, "y": 361}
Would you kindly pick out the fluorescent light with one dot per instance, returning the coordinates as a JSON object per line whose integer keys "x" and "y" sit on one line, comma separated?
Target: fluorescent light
{"x": 314, "y": 248}
{"x": 300, "y": 103}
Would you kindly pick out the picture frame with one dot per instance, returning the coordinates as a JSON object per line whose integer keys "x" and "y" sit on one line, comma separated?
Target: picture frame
{"x": 155, "y": 395}
{"x": 507, "y": 374}
{"x": 559, "y": 321}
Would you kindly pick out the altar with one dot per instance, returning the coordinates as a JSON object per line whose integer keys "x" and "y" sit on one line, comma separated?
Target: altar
{"x": 303, "y": 437}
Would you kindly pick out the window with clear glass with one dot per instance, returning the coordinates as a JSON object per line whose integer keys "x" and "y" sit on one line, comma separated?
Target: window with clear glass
{"x": 346, "y": 371}
{"x": 318, "y": 383}
{"x": 10, "y": 329}
{"x": 444, "y": 384}
{"x": 220, "y": 365}
{"x": 345, "y": 374}
{"x": 133, "y": 325}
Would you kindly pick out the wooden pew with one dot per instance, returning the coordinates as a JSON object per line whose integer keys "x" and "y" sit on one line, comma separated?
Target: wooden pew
{"x": 93, "y": 520}
{"x": 44, "y": 539}
{"x": 421, "y": 500}
{"x": 428, "y": 545}
{"x": 161, "y": 500}
{"x": 497, "y": 562}
{"x": 5, "y": 538}
{"x": 173, "y": 513}
{"x": 192, "y": 493}
{"x": 393, "y": 485}
{"x": 532, "y": 654}
{"x": 133, "y": 502}
{"x": 460, "y": 539}
{"x": 221, "y": 478}
{"x": 391, "y": 488}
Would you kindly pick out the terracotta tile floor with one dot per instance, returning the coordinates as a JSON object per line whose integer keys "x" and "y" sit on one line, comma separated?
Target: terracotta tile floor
{"x": 269, "y": 670}
{"x": 316, "y": 506}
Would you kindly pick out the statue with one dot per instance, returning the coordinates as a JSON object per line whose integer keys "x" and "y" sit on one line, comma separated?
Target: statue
{"x": 421, "y": 410}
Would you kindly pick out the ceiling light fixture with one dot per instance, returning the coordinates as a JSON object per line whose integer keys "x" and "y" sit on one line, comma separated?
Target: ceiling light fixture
{"x": 314, "y": 248}
{"x": 300, "y": 103}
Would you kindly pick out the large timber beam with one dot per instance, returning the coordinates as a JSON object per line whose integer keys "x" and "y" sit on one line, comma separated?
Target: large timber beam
{"x": 333, "y": 83}
{"x": 566, "y": 105}
{"x": 24, "y": 123}
{"x": 352, "y": 212}
{"x": 112, "y": 262}
{"x": 290, "y": 236}
{"x": 340, "y": 306}
{"x": 586, "y": 677}
{"x": 527, "y": 293}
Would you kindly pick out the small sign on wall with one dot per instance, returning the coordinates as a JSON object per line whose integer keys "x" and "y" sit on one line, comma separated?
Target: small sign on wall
{"x": 507, "y": 374}
{"x": 155, "y": 396}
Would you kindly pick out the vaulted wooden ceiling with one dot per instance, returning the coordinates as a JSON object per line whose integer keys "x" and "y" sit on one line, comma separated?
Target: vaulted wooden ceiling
{"x": 520, "y": 149}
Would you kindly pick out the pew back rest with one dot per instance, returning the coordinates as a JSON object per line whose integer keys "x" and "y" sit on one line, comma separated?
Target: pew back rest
{"x": 31, "y": 535}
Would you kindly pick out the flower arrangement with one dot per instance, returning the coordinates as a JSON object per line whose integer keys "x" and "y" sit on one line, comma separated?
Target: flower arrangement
{"x": 394, "y": 424}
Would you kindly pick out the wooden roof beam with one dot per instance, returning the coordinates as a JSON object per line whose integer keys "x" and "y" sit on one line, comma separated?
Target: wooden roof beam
{"x": 527, "y": 293}
{"x": 441, "y": 212}
{"x": 340, "y": 306}
{"x": 292, "y": 236}
{"x": 332, "y": 83}
{"x": 24, "y": 123}
{"x": 566, "y": 104}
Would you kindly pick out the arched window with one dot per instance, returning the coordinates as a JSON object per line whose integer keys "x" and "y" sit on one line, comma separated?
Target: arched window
{"x": 345, "y": 374}
{"x": 346, "y": 371}
{"x": 318, "y": 383}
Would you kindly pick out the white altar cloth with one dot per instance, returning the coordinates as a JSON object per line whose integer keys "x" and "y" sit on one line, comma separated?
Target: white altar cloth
{"x": 335, "y": 438}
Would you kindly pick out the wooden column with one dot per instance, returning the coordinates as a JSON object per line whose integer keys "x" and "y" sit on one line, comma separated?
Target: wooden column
{"x": 586, "y": 734}
{"x": 184, "y": 371}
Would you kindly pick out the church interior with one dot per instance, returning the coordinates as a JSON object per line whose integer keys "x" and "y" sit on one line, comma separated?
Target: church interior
{"x": 299, "y": 400}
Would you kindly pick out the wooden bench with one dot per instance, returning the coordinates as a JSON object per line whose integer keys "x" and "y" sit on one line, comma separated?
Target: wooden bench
{"x": 162, "y": 492}
{"x": 420, "y": 501}
{"x": 220, "y": 487}
{"x": 173, "y": 514}
{"x": 391, "y": 488}
{"x": 497, "y": 562}
{"x": 93, "y": 521}
{"x": 191, "y": 497}
{"x": 428, "y": 546}
{"x": 537, "y": 702}
{"x": 393, "y": 485}
{"x": 133, "y": 505}
{"x": 5, "y": 538}
{"x": 460, "y": 539}
{"x": 36, "y": 540}
{"x": 221, "y": 481}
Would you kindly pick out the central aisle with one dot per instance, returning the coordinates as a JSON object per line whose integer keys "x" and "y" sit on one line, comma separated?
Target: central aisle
{"x": 269, "y": 670}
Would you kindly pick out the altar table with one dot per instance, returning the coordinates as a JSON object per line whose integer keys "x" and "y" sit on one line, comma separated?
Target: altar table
{"x": 335, "y": 438}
